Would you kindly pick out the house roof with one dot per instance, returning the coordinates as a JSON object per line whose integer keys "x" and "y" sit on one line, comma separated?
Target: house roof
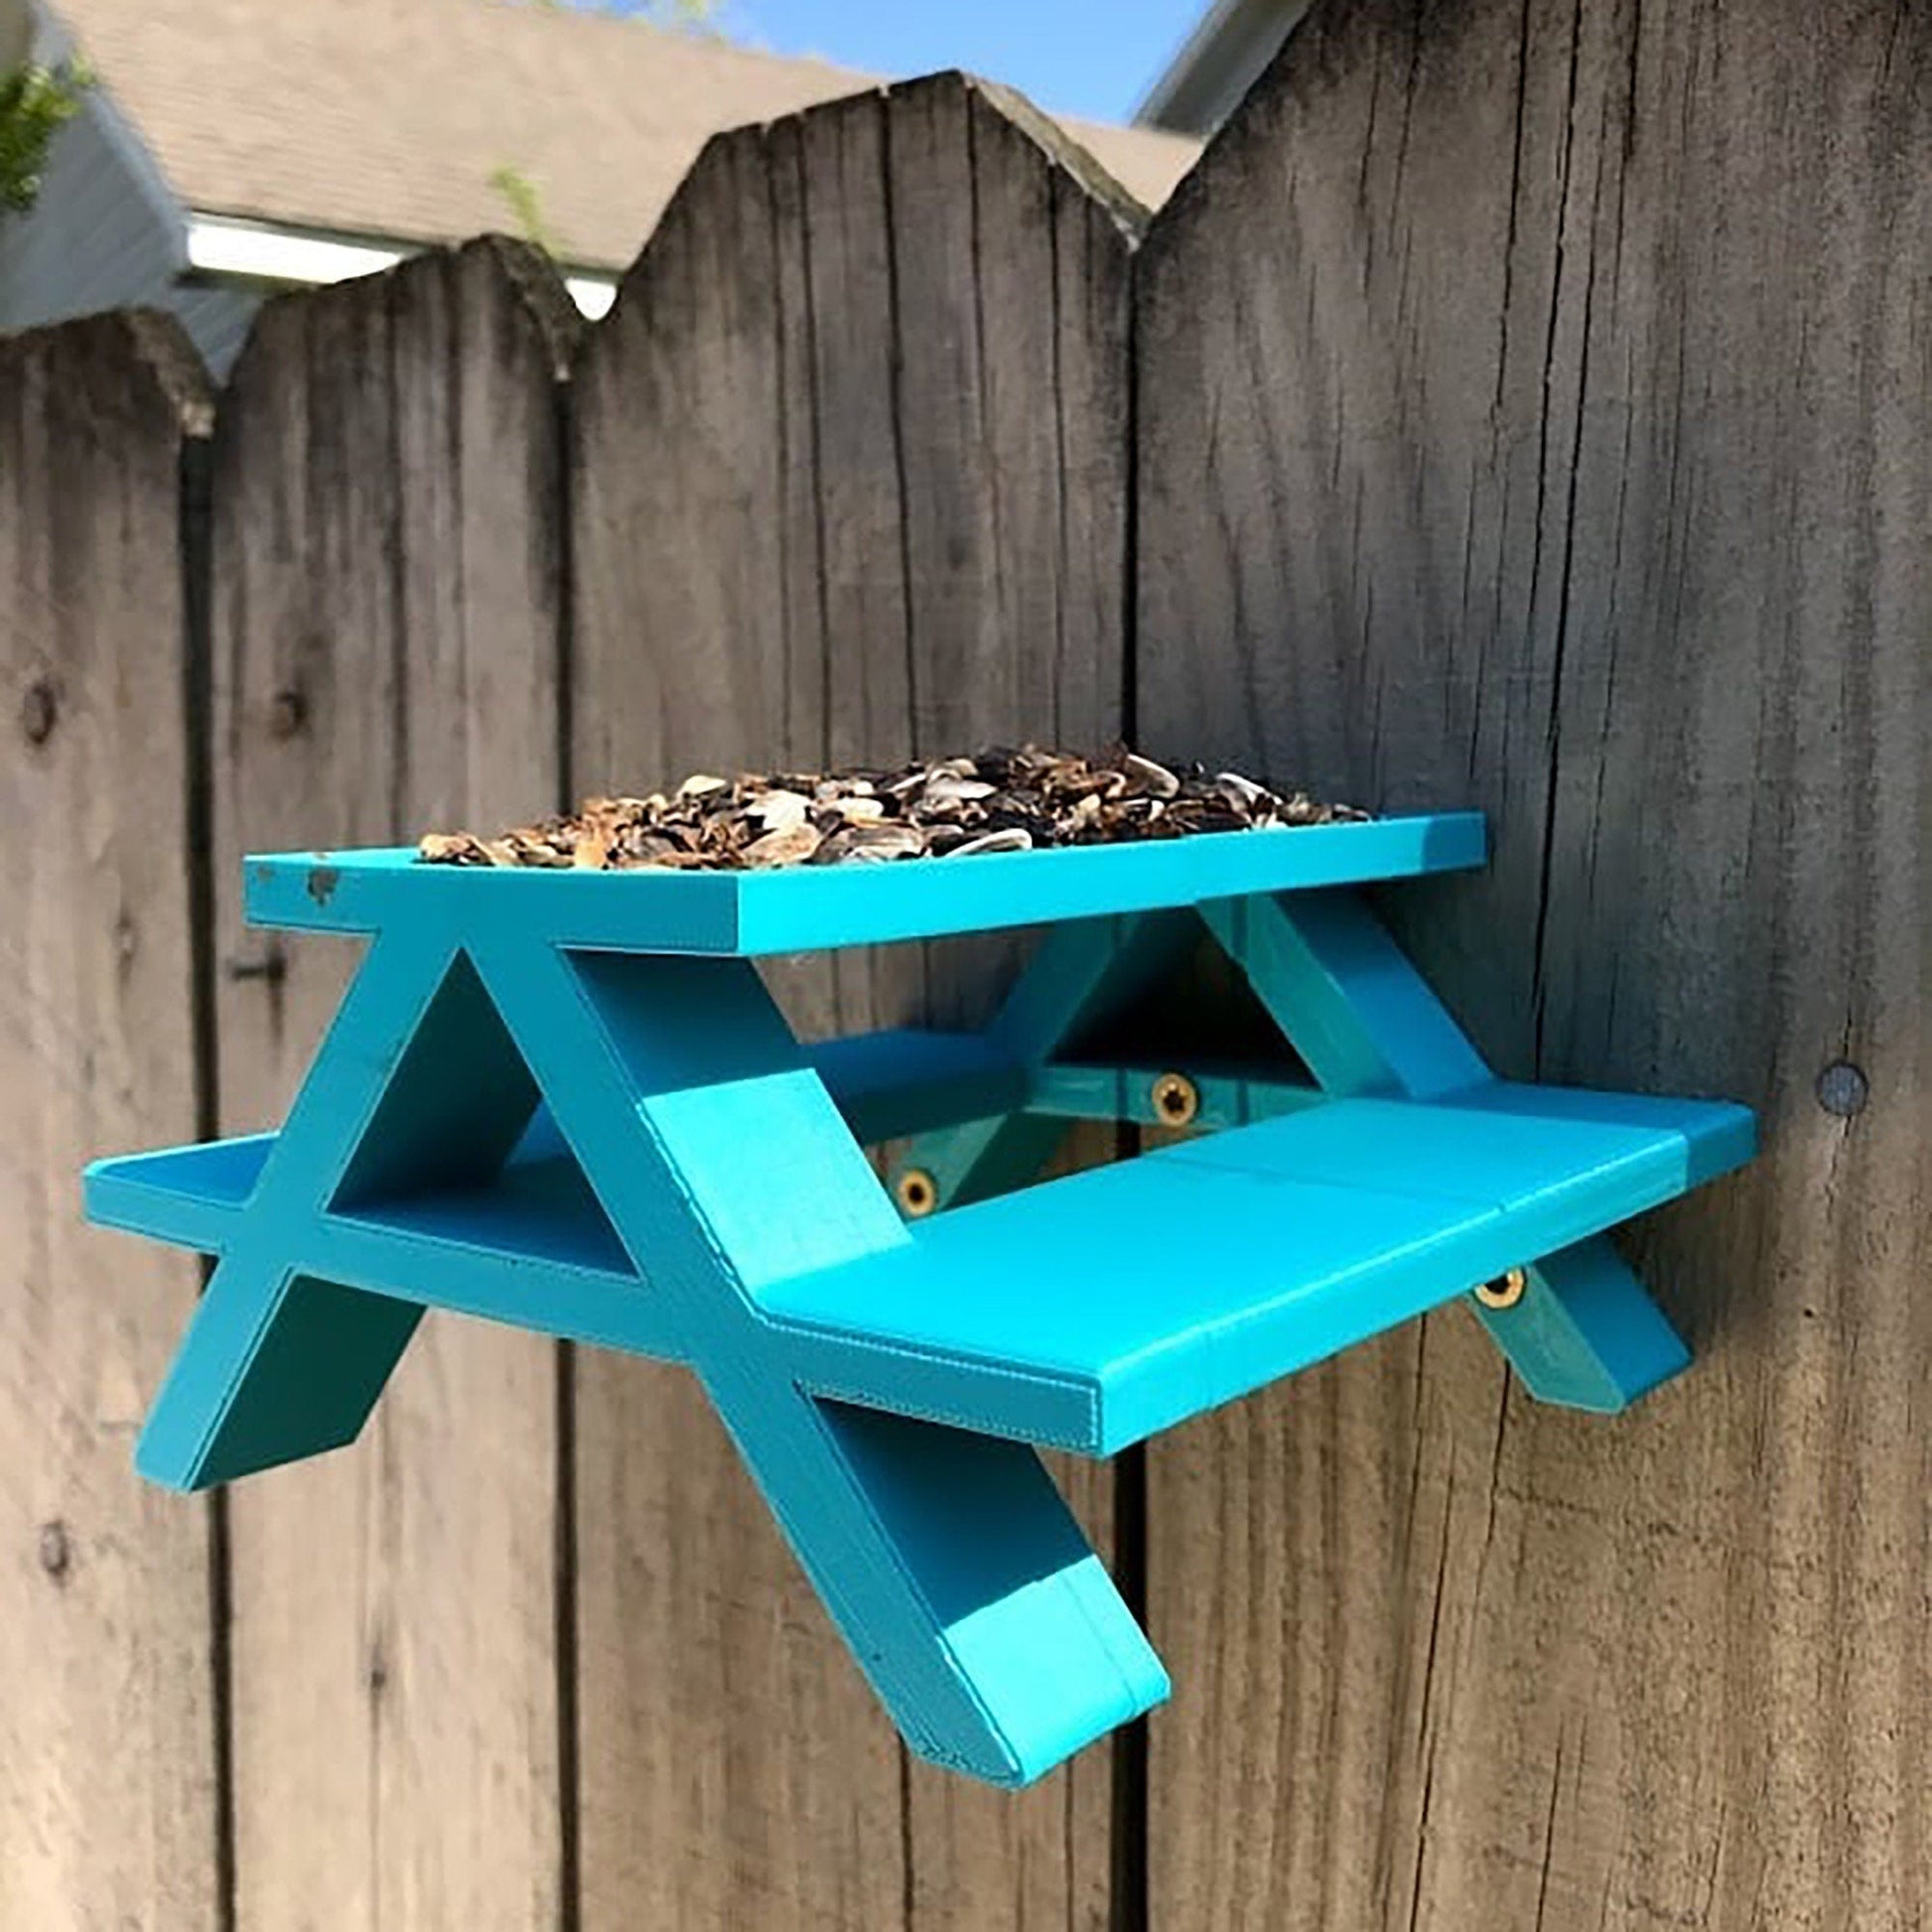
{"x": 389, "y": 118}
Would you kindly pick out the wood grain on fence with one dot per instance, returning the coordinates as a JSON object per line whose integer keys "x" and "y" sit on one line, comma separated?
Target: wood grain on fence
{"x": 1522, "y": 407}
{"x": 1531, "y": 416}
{"x": 108, "y": 1788}
{"x": 387, "y": 598}
{"x": 849, "y": 484}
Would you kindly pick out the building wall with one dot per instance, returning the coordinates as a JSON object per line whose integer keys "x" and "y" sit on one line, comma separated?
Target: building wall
{"x": 107, "y": 233}
{"x": 216, "y": 318}
{"x": 95, "y": 240}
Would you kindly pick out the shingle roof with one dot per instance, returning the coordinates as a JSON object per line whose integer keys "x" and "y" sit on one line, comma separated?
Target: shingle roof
{"x": 388, "y": 117}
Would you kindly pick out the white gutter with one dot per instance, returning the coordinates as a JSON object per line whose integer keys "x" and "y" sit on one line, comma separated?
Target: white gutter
{"x": 593, "y": 294}
{"x": 256, "y": 252}
{"x": 1220, "y": 60}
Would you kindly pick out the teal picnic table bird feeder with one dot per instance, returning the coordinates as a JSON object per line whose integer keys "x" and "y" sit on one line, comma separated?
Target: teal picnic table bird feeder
{"x": 536, "y": 1104}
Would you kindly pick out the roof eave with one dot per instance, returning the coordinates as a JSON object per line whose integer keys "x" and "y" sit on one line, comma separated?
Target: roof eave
{"x": 244, "y": 250}
{"x": 1217, "y": 62}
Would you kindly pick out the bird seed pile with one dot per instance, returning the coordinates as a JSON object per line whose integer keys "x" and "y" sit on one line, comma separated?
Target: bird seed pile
{"x": 999, "y": 801}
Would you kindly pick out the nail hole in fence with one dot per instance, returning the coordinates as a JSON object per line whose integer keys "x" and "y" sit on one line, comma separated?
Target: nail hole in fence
{"x": 54, "y": 1551}
{"x": 288, "y": 712}
{"x": 38, "y": 711}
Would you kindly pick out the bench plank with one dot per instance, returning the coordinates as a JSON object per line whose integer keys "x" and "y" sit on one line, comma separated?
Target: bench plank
{"x": 1172, "y": 1283}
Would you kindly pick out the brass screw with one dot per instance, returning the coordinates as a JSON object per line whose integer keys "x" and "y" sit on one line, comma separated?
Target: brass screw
{"x": 1506, "y": 1291}
{"x": 1177, "y": 1100}
{"x": 917, "y": 1192}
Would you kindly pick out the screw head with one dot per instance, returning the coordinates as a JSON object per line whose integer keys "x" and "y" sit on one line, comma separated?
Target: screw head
{"x": 39, "y": 708}
{"x": 1506, "y": 1291}
{"x": 1177, "y": 1100}
{"x": 1842, "y": 1089}
{"x": 916, "y": 1193}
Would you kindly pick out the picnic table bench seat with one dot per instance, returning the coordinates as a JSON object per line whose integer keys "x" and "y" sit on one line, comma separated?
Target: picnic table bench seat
{"x": 1153, "y": 1289}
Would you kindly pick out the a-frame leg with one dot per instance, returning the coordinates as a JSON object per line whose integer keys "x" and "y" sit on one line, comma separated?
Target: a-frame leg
{"x": 1585, "y": 1334}
{"x": 276, "y": 1364}
{"x": 1082, "y": 971}
{"x": 969, "y": 1596}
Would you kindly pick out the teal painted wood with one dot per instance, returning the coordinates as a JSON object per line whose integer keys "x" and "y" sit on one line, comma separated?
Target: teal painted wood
{"x": 1585, "y": 1334}
{"x": 908, "y": 1080}
{"x": 1166, "y": 1285}
{"x": 812, "y": 909}
{"x": 1073, "y": 1090}
{"x": 512, "y": 1122}
{"x": 1084, "y": 971}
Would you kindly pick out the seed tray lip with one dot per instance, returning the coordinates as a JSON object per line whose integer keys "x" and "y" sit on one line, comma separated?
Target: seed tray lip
{"x": 809, "y": 908}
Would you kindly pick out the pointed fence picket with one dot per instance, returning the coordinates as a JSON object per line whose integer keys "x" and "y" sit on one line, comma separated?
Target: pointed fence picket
{"x": 1516, "y": 409}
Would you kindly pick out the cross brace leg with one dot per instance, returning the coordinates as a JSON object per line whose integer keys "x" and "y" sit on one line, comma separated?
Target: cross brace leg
{"x": 959, "y": 1579}
{"x": 1583, "y": 1335}
{"x": 1082, "y": 971}
{"x": 962, "y": 1584}
{"x": 277, "y": 1364}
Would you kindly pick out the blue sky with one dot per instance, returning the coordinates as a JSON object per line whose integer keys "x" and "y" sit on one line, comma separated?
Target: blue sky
{"x": 1074, "y": 57}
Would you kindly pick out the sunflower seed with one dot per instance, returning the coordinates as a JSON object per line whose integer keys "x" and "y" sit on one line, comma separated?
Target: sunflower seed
{"x": 1000, "y": 800}
{"x": 790, "y": 846}
{"x": 882, "y": 842}
{"x": 779, "y": 811}
{"x": 1016, "y": 838}
{"x": 1242, "y": 793}
{"x": 1152, "y": 777}
{"x": 947, "y": 789}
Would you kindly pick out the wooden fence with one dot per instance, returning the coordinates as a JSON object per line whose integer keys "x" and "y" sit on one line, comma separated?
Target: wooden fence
{"x": 1521, "y": 406}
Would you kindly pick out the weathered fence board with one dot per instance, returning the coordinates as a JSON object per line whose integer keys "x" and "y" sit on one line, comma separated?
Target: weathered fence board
{"x": 108, "y": 1804}
{"x": 387, "y": 590}
{"x": 1522, "y": 407}
{"x": 849, "y": 482}
{"x": 1530, "y": 416}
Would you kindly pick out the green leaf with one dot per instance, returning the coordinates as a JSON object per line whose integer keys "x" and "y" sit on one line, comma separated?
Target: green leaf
{"x": 36, "y": 103}
{"x": 519, "y": 193}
